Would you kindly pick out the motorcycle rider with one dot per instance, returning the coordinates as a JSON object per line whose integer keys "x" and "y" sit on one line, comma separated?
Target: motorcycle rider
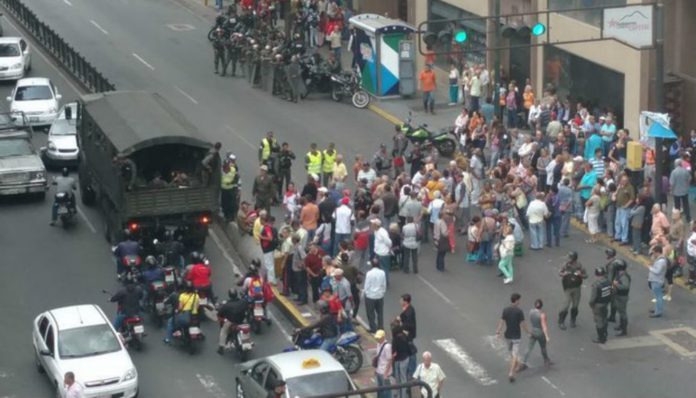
{"x": 128, "y": 299}
{"x": 186, "y": 307}
{"x": 64, "y": 184}
{"x": 198, "y": 273}
{"x": 173, "y": 250}
{"x": 326, "y": 325}
{"x": 233, "y": 312}
{"x": 152, "y": 273}
{"x": 127, "y": 247}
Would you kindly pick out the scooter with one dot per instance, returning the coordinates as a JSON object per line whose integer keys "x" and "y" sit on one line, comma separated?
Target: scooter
{"x": 66, "y": 213}
{"x": 347, "y": 349}
{"x": 441, "y": 140}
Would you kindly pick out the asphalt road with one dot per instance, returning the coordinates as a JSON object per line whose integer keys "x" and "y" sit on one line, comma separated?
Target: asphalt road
{"x": 135, "y": 46}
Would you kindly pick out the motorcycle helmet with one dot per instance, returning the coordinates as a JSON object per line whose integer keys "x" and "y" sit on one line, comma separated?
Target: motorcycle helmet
{"x": 573, "y": 255}
{"x": 620, "y": 265}
{"x": 600, "y": 271}
{"x": 151, "y": 261}
{"x": 65, "y": 172}
{"x": 168, "y": 234}
{"x": 195, "y": 257}
{"x": 323, "y": 307}
{"x": 610, "y": 252}
{"x": 233, "y": 295}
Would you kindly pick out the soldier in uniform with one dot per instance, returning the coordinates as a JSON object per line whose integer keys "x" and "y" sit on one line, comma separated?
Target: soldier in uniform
{"x": 219, "y": 50}
{"x": 280, "y": 81}
{"x": 234, "y": 50}
{"x": 294, "y": 75}
{"x": 572, "y": 275}
{"x": 609, "y": 267}
{"x": 599, "y": 300}
{"x": 621, "y": 284}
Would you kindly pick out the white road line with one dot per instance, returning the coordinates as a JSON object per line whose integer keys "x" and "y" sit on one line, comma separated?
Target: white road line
{"x": 96, "y": 25}
{"x": 274, "y": 318}
{"x": 185, "y": 94}
{"x": 241, "y": 137}
{"x": 457, "y": 353}
{"x": 49, "y": 62}
{"x": 553, "y": 385}
{"x": 209, "y": 384}
{"x": 67, "y": 2}
{"x": 444, "y": 298}
{"x": 84, "y": 217}
{"x": 143, "y": 61}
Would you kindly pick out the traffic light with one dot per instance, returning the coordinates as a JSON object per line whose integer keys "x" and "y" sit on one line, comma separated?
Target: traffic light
{"x": 460, "y": 36}
{"x": 538, "y": 29}
{"x": 524, "y": 31}
{"x": 445, "y": 36}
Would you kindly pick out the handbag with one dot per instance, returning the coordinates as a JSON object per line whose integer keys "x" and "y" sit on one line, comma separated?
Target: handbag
{"x": 412, "y": 348}
{"x": 375, "y": 359}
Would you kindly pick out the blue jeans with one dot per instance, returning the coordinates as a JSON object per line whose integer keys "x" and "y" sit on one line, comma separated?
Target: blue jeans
{"x": 553, "y": 231}
{"x": 565, "y": 223}
{"x": 440, "y": 259}
{"x": 383, "y": 381}
{"x": 428, "y": 100}
{"x": 511, "y": 117}
{"x": 401, "y": 375}
{"x": 658, "y": 291}
{"x": 337, "y": 241}
{"x": 536, "y": 235}
{"x": 578, "y": 205}
{"x": 385, "y": 264}
{"x": 636, "y": 239}
{"x": 328, "y": 343}
{"x": 485, "y": 252}
{"x": 621, "y": 224}
{"x": 180, "y": 320}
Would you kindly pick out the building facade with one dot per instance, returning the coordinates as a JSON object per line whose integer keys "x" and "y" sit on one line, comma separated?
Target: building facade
{"x": 602, "y": 74}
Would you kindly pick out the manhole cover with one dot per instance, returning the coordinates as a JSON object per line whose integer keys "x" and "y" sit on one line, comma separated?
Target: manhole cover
{"x": 681, "y": 340}
{"x": 180, "y": 27}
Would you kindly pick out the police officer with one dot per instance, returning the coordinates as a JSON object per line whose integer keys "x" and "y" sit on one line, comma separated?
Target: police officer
{"x": 294, "y": 76}
{"x": 621, "y": 284}
{"x": 234, "y": 50}
{"x": 229, "y": 187}
{"x": 285, "y": 159}
{"x": 572, "y": 275}
{"x": 219, "y": 50}
{"x": 599, "y": 300}
{"x": 328, "y": 162}
{"x": 609, "y": 268}
{"x": 267, "y": 147}
{"x": 313, "y": 160}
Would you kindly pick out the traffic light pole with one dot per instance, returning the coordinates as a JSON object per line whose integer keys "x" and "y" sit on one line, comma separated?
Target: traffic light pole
{"x": 659, "y": 96}
{"x": 496, "y": 60}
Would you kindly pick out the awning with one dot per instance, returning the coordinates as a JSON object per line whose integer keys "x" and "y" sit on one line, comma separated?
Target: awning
{"x": 657, "y": 130}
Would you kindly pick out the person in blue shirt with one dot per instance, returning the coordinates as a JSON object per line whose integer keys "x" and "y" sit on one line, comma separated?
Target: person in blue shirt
{"x": 608, "y": 132}
{"x": 593, "y": 143}
{"x": 588, "y": 181}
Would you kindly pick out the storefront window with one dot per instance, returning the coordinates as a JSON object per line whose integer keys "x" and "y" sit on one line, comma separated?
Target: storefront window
{"x": 592, "y": 17}
{"x": 472, "y": 51}
{"x": 579, "y": 80}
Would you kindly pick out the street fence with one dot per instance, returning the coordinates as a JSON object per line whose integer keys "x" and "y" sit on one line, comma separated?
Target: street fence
{"x": 69, "y": 58}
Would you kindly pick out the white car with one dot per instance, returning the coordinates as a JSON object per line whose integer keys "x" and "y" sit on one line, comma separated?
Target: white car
{"x": 15, "y": 58}
{"x": 80, "y": 339}
{"x": 62, "y": 138}
{"x": 38, "y": 98}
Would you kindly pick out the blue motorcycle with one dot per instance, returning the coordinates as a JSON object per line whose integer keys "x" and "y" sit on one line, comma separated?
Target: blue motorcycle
{"x": 347, "y": 349}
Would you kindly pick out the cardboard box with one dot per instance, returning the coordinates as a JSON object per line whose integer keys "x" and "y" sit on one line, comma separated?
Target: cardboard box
{"x": 634, "y": 155}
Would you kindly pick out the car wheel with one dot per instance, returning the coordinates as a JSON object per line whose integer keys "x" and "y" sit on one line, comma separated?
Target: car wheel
{"x": 240, "y": 390}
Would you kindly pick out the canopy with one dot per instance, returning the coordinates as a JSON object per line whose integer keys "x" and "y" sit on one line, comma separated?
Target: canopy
{"x": 657, "y": 130}
{"x": 374, "y": 23}
{"x": 134, "y": 120}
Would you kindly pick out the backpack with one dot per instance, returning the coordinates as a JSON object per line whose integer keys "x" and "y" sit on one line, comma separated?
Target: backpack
{"x": 255, "y": 287}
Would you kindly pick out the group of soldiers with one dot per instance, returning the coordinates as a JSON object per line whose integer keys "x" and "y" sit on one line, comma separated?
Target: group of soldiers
{"x": 267, "y": 56}
{"x": 609, "y": 294}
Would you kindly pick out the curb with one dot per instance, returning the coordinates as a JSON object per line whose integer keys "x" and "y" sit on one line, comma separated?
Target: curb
{"x": 679, "y": 281}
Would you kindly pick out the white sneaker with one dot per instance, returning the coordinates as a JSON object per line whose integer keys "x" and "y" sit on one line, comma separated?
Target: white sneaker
{"x": 667, "y": 297}
{"x": 507, "y": 281}
{"x": 653, "y": 301}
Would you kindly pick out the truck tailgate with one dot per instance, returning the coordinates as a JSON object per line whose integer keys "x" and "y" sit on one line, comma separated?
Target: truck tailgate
{"x": 155, "y": 202}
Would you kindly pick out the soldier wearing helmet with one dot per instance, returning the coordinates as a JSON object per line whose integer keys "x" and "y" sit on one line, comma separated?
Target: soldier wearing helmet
{"x": 609, "y": 268}
{"x": 572, "y": 275}
{"x": 621, "y": 284}
{"x": 219, "y": 51}
{"x": 599, "y": 301}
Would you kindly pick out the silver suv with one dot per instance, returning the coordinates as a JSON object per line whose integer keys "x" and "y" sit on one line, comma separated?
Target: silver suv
{"x": 21, "y": 168}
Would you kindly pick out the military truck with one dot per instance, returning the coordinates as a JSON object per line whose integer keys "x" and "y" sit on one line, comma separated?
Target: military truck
{"x": 141, "y": 163}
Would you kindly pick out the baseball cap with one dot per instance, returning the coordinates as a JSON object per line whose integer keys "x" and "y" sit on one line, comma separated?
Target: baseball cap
{"x": 264, "y": 167}
{"x": 379, "y": 334}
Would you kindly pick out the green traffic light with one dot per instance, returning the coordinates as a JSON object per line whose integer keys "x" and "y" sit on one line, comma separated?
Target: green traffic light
{"x": 460, "y": 37}
{"x": 538, "y": 29}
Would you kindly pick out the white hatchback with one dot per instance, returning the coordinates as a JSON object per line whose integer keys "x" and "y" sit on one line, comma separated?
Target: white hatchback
{"x": 80, "y": 339}
{"x": 15, "y": 58}
{"x": 38, "y": 98}
{"x": 61, "y": 148}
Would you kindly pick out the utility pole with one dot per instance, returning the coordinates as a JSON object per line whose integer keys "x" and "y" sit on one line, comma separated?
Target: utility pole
{"x": 496, "y": 61}
{"x": 659, "y": 95}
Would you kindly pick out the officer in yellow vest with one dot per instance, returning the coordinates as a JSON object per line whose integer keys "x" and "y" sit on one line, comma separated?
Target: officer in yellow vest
{"x": 229, "y": 187}
{"x": 313, "y": 160}
{"x": 268, "y": 145}
{"x": 328, "y": 162}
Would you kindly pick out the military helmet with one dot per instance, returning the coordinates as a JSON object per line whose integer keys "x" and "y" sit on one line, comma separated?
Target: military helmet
{"x": 610, "y": 252}
{"x": 600, "y": 271}
{"x": 620, "y": 264}
{"x": 572, "y": 255}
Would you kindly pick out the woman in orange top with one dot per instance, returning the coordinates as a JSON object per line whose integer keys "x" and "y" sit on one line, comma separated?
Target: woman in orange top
{"x": 475, "y": 121}
{"x": 435, "y": 185}
{"x": 528, "y": 97}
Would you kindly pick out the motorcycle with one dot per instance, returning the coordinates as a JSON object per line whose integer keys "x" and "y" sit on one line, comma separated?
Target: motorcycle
{"x": 239, "y": 339}
{"x": 347, "y": 349}
{"x": 315, "y": 75}
{"x": 257, "y": 314}
{"x": 347, "y": 84}
{"x": 189, "y": 337}
{"x": 66, "y": 213}
{"x": 157, "y": 295}
{"x": 441, "y": 140}
{"x": 133, "y": 330}
{"x": 171, "y": 278}
{"x": 132, "y": 265}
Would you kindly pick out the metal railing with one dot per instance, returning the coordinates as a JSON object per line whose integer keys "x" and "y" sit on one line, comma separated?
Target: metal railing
{"x": 70, "y": 59}
{"x": 373, "y": 390}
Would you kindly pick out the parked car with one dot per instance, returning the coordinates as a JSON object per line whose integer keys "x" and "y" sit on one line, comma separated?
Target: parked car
{"x": 61, "y": 148}
{"x": 21, "y": 168}
{"x": 38, "y": 98}
{"x": 80, "y": 339}
{"x": 306, "y": 373}
{"x": 15, "y": 58}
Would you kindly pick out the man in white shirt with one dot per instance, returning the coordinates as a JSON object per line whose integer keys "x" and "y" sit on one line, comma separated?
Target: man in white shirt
{"x": 383, "y": 371}
{"x": 536, "y": 214}
{"x": 73, "y": 389}
{"x": 374, "y": 290}
{"x": 431, "y": 374}
{"x": 484, "y": 76}
{"x": 418, "y": 180}
{"x": 367, "y": 173}
{"x": 344, "y": 219}
{"x": 382, "y": 246}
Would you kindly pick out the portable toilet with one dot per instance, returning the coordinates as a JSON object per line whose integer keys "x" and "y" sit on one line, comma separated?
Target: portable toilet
{"x": 378, "y": 52}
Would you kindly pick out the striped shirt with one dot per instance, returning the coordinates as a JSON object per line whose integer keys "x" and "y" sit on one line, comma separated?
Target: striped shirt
{"x": 598, "y": 166}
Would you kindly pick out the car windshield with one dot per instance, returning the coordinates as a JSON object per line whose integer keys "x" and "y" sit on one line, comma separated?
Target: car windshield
{"x": 87, "y": 341}
{"x": 63, "y": 127}
{"x": 14, "y": 147}
{"x": 9, "y": 50}
{"x": 33, "y": 93}
{"x": 318, "y": 384}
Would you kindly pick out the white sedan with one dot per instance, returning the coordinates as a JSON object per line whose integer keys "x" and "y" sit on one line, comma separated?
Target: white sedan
{"x": 38, "y": 98}
{"x": 80, "y": 339}
{"x": 15, "y": 58}
{"x": 61, "y": 148}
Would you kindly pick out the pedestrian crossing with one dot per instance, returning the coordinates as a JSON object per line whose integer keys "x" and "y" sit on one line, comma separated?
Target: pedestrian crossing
{"x": 458, "y": 354}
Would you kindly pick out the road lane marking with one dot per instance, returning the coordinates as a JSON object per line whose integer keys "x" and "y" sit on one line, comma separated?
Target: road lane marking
{"x": 209, "y": 384}
{"x": 185, "y": 94}
{"x": 275, "y": 320}
{"x": 39, "y": 50}
{"x": 84, "y": 217}
{"x": 180, "y": 27}
{"x": 143, "y": 61}
{"x": 241, "y": 137}
{"x": 459, "y": 355}
{"x": 67, "y": 2}
{"x": 552, "y": 385}
{"x": 444, "y": 298}
{"x": 96, "y": 25}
